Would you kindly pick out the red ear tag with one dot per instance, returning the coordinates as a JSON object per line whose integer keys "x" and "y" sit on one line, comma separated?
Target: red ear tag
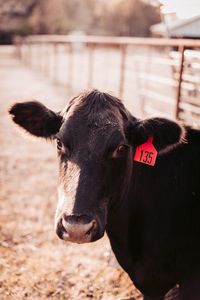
{"x": 146, "y": 153}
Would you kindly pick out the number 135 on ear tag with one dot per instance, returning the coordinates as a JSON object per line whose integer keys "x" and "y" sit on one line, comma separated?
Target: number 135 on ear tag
{"x": 146, "y": 153}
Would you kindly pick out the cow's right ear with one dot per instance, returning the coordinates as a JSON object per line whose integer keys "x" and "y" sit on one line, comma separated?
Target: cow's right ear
{"x": 36, "y": 118}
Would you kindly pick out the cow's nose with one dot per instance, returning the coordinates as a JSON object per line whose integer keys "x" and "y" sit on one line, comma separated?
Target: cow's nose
{"x": 77, "y": 228}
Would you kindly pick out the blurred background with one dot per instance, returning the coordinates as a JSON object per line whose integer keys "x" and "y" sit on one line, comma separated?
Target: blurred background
{"x": 146, "y": 52}
{"x": 99, "y": 17}
{"x": 93, "y": 17}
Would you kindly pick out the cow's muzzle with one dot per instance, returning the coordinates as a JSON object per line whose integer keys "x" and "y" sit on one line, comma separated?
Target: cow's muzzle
{"x": 77, "y": 228}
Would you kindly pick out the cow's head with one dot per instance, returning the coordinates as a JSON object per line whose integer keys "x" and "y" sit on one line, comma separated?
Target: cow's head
{"x": 95, "y": 137}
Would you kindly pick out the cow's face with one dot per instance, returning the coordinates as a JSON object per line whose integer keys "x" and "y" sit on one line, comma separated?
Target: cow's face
{"x": 95, "y": 138}
{"x": 94, "y": 155}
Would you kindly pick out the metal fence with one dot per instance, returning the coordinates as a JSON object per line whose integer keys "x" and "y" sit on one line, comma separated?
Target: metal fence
{"x": 153, "y": 76}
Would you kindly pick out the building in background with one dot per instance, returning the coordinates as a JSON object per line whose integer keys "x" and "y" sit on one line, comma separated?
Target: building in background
{"x": 178, "y": 28}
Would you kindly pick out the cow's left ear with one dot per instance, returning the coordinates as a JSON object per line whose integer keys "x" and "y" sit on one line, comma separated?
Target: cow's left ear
{"x": 165, "y": 132}
{"x": 36, "y": 118}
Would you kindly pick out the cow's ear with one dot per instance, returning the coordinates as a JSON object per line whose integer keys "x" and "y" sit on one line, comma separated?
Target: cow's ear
{"x": 36, "y": 118}
{"x": 165, "y": 132}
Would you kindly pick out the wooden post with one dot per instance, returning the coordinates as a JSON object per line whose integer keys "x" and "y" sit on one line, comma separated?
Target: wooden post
{"x": 122, "y": 70}
{"x": 180, "y": 75}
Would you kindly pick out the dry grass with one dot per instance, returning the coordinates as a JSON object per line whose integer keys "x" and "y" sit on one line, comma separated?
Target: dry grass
{"x": 34, "y": 263}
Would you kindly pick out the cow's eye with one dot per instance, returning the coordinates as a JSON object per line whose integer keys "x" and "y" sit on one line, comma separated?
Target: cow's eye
{"x": 59, "y": 144}
{"x": 62, "y": 149}
{"x": 119, "y": 151}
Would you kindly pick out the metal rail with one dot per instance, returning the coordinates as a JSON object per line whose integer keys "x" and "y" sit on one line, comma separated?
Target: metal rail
{"x": 113, "y": 41}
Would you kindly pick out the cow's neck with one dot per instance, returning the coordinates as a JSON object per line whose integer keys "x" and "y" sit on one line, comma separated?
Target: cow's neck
{"x": 118, "y": 226}
{"x": 124, "y": 224}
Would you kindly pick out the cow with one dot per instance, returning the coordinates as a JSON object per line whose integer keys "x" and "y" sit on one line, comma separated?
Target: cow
{"x": 136, "y": 179}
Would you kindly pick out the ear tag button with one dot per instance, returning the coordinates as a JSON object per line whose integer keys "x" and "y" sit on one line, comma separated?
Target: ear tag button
{"x": 146, "y": 153}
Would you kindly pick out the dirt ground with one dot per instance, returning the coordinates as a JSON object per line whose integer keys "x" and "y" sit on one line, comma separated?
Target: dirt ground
{"x": 34, "y": 263}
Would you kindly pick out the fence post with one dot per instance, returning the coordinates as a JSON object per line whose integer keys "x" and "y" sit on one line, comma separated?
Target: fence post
{"x": 122, "y": 70}
{"x": 40, "y": 58}
{"x": 29, "y": 55}
{"x": 18, "y": 45}
{"x": 46, "y": 58}
{"x": 55, "y": 62}
{"x": 180, "y": 76}
{"x": 70, "y": 67}
{"x": 91, "y": 64}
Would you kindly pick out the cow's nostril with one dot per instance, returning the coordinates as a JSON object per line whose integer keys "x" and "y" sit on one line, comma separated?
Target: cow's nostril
{"x": 60, "y": 230}
{"x": 92, "y": 228}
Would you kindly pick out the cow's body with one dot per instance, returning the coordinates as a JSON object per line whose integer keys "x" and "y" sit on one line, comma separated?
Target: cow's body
{"x": 151, "y": 214}
{"x": 161, "y": 220}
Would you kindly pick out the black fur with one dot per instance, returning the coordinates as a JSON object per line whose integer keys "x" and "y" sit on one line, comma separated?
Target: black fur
{"x": 164, "y": 132}
{"x": 36, "y": 118}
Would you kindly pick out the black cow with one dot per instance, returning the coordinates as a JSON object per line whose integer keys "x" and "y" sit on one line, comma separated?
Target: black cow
{"x": 150, "y": 213}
